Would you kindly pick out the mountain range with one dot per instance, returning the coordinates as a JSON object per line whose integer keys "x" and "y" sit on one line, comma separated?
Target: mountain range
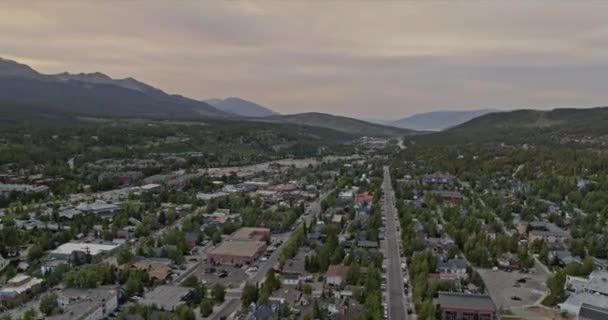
{"x": 438, "y": 120}
{"x": 94, "y": 94}
{"x": 241, "y": 107}
{"x": 525, "y": 126}
{"x": 343, "y": 124}
{"x": 27, "y": 94}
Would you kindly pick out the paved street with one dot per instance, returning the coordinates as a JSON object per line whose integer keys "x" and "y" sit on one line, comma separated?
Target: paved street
{"x": 396, "y": 298}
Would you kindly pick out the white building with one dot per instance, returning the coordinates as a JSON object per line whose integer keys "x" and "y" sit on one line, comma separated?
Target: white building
{"x": 592, "y": 291}
{"x": 19, "y": 285}
{"x": 87, "y": 304}
{"x": 64, "y": 251}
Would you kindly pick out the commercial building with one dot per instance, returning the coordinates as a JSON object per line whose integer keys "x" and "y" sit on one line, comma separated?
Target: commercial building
{"x": 589, "y": 312}
{"x": 245, "y": 234}
{"x": 64, "y": 251}
{"x": 87, "y": 304}
{"x": 167, "y": 297}
{"x": 237, "y": 252}
{"x": 21, "y": 188}
{"x": 461, "y": 306}
{"x": 18, "y": 285}
{"x": 592, "y": 291}
{"x": 100, "y": 208}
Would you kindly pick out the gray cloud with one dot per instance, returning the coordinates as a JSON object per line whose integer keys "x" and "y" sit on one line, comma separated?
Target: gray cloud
{"x": 357, "y": 58}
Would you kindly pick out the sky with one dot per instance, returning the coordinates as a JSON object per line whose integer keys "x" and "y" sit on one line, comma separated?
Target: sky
{"x": 365, "y": 59}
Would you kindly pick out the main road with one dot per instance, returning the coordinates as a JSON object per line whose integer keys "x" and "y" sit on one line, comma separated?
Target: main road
{"x": 396, "y": 299}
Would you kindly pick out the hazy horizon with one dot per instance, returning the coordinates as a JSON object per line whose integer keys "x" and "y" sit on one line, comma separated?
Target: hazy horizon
{"x": 380, "y": 60}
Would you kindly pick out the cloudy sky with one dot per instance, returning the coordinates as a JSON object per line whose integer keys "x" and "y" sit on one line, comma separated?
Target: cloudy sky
{"x": 381, "y": 59}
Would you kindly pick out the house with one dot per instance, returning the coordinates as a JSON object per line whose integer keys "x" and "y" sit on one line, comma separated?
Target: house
{"x": 191, "y": 239}
{"x": 290, "y": 279}
{"x": 336, "y": 274}
{"x": 489, "y": 231}
{"x": 460, "y": 306}
{"x": 439, "y": 246}
{"x": 589, "y": 312}
{"x": 546, "y": 231}
{"x": 167, "y": 297}
{"x": 157, "y": 268}
{"x": 367, "y": 244}
{"x": 89, "y": 304}
{"x": 364, "y": 197}
{"x": 562, "y": 257}
{"x": 455, "y": 266}
{"x": 508, "y": 261}
{"x": 267, "y": 311}
{"x": 346, "y": 195}
{"x": 3, "y": 263}
{"x": 445, "y": 196}
{"x": 337, "y": 219}
{"x": 294, "y": 271}
{"x": 49, "y": 266}
{"x": 438, "y": 178}
{"x": 121, "y": 177}
{"x": 19, "y": 285}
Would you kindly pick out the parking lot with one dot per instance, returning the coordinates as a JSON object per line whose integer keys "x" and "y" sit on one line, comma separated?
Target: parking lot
{"x": 515, "y": 289}
{"x": 232, "y": 278}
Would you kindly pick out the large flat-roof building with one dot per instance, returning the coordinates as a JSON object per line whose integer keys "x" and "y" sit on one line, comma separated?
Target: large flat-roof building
{"x": 460, "y": 306}
{"x": 87, "y": 304}
{"x": 167, "y": 297}
{"x": 19, "y": 285}
{"x": 589, "y": 312}
{"x": 64, "y": 251}
{"x": 248, "y": 233}
{"x": 237, "y": 252}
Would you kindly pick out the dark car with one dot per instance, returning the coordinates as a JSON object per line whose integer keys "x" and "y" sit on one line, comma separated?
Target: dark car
{"x": 409, "y": 311}
{"x": 223, "y": 274}
{"x": 516, "y": 298}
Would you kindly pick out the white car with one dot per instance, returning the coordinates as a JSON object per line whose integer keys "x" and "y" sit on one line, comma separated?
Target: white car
{"x": 263, "y": 259}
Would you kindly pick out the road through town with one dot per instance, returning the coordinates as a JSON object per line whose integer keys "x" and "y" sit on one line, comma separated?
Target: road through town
{"x": 396, "y": 298}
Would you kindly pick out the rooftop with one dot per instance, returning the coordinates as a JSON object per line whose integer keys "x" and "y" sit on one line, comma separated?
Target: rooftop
{"x": 78, "y": 303}
{"x": 598, "y": 282}
{"x": 337, "y": 271}
{"x": 166, "y": 297}
{"x": 93, "y": 248}
{"x": 238, "y": 248}
{"x": 591, "y": 312}
{"x": 464, "y": 301}
{"x": 248, "y": 233}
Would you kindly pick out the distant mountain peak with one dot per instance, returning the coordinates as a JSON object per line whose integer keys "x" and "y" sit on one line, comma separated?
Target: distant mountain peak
{"x": 14, "y": 68}
{"x": 241, "y": 107}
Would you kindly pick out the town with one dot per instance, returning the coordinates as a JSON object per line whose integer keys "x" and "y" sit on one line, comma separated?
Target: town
{"x": 389, "y": 234}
